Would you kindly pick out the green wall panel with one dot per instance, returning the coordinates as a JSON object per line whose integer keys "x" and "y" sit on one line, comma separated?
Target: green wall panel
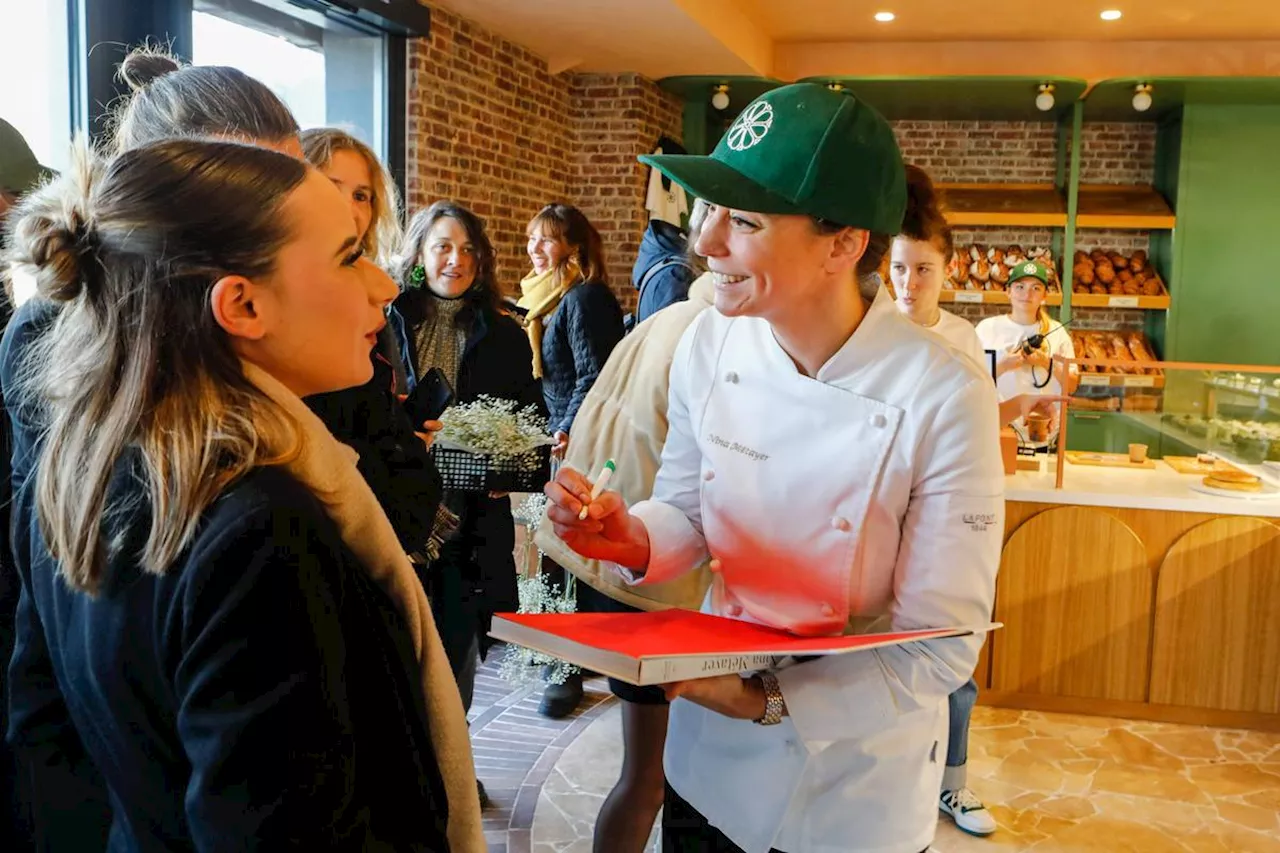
{"x": 1227, "y": 245}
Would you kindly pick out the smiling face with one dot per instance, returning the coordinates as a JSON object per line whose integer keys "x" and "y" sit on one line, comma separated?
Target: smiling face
{"x": 449, "y": 258}
{"x": 546, "y": 251}
{"x": 764, "y": 264}
{"x": 917, "y": 268}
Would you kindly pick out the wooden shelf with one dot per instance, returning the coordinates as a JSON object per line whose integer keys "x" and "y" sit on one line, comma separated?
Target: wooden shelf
{"x": 1127, "y": 207}
{"x": 989, "y": 297}
{"x": 1097, "y": 300}
{"x": 1016, "y": 205}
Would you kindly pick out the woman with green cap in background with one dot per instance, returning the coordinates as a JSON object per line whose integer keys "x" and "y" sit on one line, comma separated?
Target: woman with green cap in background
{"x": 840, "y": 467}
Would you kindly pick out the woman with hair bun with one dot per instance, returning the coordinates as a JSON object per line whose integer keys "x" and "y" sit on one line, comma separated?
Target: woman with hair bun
{"x": 239, "y": 641}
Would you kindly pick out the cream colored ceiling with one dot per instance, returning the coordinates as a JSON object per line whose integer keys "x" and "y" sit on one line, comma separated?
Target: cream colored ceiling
{"x": 797, "y": 38}
{"x": 1014, "y": 20}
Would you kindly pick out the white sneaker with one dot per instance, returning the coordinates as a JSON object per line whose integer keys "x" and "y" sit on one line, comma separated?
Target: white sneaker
{"x": 967, "y": 811}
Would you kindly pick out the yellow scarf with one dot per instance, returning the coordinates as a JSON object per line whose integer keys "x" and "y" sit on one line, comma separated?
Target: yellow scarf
{"x": 540, "y": 293}
{"x": 328, "y": 468}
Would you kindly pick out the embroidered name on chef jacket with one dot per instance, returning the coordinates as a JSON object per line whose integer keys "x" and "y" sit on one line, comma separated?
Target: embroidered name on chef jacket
{"x": 979, "y": 522}
{"x": 753, "y": 455}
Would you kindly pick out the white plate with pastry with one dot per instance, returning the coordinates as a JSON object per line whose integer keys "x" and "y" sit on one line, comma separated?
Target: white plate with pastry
{"x": 1236, "y": 484}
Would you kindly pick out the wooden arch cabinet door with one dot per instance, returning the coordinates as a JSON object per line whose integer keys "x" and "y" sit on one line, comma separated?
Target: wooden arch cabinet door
{"x": 1217, "y": 621}
{"x": 1074, "y": 594}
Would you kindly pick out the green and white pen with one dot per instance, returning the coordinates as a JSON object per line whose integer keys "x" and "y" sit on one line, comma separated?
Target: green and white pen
{"x": 602, "y": 482}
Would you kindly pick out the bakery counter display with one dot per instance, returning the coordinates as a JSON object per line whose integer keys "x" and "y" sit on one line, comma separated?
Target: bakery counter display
{"x": 1150, "y": 611}
{"x": 1182, "y": 418}
{"x": 1108, "y": 279}
{"x": 1140, "y": 585}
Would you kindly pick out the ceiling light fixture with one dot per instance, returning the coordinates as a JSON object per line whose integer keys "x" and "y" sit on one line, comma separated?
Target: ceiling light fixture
{"x": 720, "y": 100}
{"x": 1044, "y": 100}
{"x": 1111, "y": 15}
{"x": 885, "y": 17}
{"x": 1142, "y": 97}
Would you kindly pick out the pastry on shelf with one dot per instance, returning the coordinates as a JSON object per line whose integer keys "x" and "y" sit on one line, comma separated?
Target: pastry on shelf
{"x": 1138, "y": 262}
{"x": 1104, "y": 271}
{"x": 1119, "y": 261}
{"x": 999, "y": 276}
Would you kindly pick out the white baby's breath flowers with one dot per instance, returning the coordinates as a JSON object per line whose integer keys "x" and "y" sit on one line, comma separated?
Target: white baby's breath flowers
{"x": 495, "y": 427}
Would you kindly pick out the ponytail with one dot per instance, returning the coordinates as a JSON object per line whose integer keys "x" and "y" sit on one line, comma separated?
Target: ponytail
{"x": 1045, "y": 320}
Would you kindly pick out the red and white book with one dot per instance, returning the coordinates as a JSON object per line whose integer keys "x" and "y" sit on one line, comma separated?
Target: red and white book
{"x": 663, "y": 646}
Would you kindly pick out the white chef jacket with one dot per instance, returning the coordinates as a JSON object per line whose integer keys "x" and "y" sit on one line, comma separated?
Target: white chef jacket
{"x": 867, "y": 498}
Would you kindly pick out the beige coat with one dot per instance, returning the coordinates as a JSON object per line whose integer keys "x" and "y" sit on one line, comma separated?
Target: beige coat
{"x": 624, "y": 418}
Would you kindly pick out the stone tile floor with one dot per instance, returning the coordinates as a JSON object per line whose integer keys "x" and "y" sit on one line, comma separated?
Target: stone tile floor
{"x": 1056, "y": 783}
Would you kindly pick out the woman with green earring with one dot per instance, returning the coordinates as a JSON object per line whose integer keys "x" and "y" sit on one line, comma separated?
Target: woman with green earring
{"x": 452, "y": 321}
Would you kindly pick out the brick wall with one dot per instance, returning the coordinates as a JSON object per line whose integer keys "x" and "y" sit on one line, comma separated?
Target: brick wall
{"x": 1118, "y": 153}
{"x": 615, "y": 118}
{"x": 489, "y": 127}
{"x": 980, "y": 151}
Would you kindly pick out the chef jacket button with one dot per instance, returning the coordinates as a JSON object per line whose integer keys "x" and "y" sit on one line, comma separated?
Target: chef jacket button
{"x": 841, "y": 524}
{"x": 878, "y": 420}
{"x": 734, "y": 610}
{"x": 828, "y": 611}
{"x": 709, "y": 476}
{"x": 715, "y": 566}
{"x": 731, "y": 378}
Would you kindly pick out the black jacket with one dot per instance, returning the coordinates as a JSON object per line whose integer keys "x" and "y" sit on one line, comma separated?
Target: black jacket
{"x": 579, "y": 336}
{"x": 393, "y": 460}
{"x": 261, "y": 694}
{"x": 475, "y": 576}
{"x": 662, "y": 241}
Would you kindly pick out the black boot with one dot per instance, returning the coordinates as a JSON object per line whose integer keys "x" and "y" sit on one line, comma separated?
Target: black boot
{"x": 560, "y": 700}
{"x": 484, "y": 795}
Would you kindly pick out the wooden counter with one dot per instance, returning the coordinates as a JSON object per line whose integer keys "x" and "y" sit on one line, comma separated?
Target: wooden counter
{"x": 1125, "y": 594}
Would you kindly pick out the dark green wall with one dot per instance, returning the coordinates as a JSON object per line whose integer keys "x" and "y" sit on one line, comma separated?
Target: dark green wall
{"x": 1226, "y": 292}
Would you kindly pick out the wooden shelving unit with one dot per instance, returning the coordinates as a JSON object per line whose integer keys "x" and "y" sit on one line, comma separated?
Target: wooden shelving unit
{"x": 1013, "y": 205}
{"x": 1095, "y": 300}
{"x": 1125, "y": 207}
{"x": 988, "y": 297}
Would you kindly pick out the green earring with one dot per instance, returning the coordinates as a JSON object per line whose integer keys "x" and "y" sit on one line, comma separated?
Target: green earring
{"x": 418, "y": 275}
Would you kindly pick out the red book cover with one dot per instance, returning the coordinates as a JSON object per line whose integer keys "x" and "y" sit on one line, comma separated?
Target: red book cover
{"x": 673, "y": 645}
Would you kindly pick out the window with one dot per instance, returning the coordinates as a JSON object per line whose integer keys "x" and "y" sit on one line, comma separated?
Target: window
{"x": 37, "y": 55}
{"x": 327, "y": 72}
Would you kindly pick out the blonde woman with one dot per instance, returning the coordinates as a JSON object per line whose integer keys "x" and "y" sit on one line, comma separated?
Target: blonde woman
{"x": 366, "y": 184}
{"x": 264, "y": 670}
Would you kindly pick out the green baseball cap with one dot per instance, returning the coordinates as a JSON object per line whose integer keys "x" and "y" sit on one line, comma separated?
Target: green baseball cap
{"x": 1030, "y": 269}
{"x": 802, "y": 149}
{"x": 20, "y": 172}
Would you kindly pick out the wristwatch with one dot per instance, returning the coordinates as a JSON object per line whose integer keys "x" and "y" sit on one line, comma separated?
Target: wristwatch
{"x": 773, "y": 702}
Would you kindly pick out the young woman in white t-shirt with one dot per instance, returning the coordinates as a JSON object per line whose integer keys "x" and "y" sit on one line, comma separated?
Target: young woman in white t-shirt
{"x": 1020, "y": 368}
{"x": 917, "y": 269}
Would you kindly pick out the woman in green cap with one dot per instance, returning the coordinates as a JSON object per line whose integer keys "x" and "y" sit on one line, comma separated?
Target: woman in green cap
{"x": 840, "y": 467}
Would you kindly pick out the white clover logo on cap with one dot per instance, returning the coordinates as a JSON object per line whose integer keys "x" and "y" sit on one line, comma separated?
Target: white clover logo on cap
{"x": 1029, "y": 269}
{"x": 751, "y": 126}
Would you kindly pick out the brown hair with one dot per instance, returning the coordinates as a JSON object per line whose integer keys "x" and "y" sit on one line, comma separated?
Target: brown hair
{"x": 570, "y": 224}
{"x": 483, "y": 293}
{"x": 130, "y": 251}
{"x": 924, "y": 219}
{"x": 872, "y": 258}
{"x": 383, "y": 237}
{"x": 169, "y": 99}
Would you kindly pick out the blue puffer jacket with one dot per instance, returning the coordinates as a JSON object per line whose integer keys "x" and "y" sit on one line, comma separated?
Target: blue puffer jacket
{"x": 662, "y": 241}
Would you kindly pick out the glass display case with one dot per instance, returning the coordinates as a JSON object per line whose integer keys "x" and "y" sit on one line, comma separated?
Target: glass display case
{"x": 1191, "y": 417}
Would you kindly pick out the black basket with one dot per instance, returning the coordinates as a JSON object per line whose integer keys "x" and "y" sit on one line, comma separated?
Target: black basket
{"x": 478, "y": 472}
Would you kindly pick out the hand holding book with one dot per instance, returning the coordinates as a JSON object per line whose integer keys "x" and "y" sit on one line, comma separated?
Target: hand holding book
{"x": 609, "y": 532}
{"x": 727, "y": 695}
